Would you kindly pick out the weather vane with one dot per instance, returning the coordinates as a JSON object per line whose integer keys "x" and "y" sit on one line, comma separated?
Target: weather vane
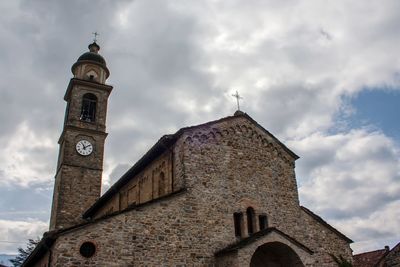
{"x": 238, "y": 97}
{"x": 95, "y": 36}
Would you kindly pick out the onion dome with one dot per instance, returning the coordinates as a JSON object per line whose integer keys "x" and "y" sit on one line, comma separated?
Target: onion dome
{"x": 93, "y": 54}
{"x": 91, "y": 57}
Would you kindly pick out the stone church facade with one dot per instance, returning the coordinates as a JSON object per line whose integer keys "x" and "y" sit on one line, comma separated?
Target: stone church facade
{"x": 222, "y": 193}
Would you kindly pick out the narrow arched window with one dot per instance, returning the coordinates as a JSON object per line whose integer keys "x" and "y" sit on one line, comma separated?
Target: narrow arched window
{"x": 263, "y": 222}
{"x": 250, "y": 220}
{"x": 238, "y": 221}
{"x": 161, "y": 184}
{"x": 88, "y": 111}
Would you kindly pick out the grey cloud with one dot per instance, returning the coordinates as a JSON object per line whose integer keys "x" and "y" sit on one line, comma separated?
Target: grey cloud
{"x": 295, "y": 109}
{"x": 355, "y": 183}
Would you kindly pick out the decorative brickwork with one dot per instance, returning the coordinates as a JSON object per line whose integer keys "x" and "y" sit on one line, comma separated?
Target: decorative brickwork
{"x": 143, "y": 187}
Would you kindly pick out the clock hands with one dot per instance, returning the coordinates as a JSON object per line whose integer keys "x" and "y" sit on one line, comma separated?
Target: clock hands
{"x": 84, "y": 147}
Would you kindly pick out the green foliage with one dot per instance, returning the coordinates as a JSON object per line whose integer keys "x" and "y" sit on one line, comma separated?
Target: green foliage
{"x": 341, "y": 262}
{"x": 24, "y": 253}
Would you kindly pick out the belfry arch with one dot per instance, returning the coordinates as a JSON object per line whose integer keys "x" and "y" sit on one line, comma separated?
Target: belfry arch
{"x": 275, "y": 254}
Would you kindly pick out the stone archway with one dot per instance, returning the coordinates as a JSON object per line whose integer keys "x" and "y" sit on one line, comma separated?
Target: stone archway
{"x": 275, "y": 254}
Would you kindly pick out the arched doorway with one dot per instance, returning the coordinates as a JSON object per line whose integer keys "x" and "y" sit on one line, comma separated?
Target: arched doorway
{"x": 275, "y": 254}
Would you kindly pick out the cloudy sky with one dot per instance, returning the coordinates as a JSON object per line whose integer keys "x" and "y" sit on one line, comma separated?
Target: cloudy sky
{"x": 323, "y": 76}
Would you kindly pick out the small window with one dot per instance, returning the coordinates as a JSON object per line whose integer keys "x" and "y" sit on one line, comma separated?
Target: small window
{"x": 238, "y": 219}
{"x": 92, "y": 75}
{"x": 88, "y": 111}
{"x": 250, "y": 220}
{"x": 87, "y": 249}
{"x": 263, "y": 222}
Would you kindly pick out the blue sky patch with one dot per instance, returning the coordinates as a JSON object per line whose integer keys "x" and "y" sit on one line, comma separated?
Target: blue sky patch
{"x": 379, "y": 108}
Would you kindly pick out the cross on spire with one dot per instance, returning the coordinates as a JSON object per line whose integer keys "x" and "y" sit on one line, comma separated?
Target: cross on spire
{"x": 238, "y": 97}
{"x": 95, "y": 36}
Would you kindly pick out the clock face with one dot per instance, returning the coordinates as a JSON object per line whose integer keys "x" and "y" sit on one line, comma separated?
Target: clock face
{"x": 84, "y": 147}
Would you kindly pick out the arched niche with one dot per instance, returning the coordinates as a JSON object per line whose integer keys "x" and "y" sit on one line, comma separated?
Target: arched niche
{"x": 275, "y": 254}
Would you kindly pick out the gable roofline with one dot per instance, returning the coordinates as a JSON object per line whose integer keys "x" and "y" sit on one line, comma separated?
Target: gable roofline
{"x": 256, "y": 236}
{"x": 247, "y": 116}
{"x": 327, "y": 225}
{"x": 284, "y": 147}
{"x": 163, "y": 144}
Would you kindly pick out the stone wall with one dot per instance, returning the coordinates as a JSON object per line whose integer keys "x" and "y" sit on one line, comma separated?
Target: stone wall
{"x": 76, "y": 189}
{"x": 321, "y": 240}
{"x": 69, "y": 155}
{"x": 393, "y": 258}
{"x": 153, "y": 182}
{"x": 225, "y": 167}
{"x": 227, "y": 260}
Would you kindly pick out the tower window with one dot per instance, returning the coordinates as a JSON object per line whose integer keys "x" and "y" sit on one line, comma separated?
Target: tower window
{"x": 263, "y": 222}
{"x": 92, "y": 75}
{"x": 238, "y": 221}
{"x": 250, "y": 220}
{"x": 88, "y": 111}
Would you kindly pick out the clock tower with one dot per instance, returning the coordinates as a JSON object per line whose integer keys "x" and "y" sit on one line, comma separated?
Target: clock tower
{"x": 80, "y": 162}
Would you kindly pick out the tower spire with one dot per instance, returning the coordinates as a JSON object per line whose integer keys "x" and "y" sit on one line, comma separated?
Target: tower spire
{"x": 95, "y": 36}
{"x": 238, "y": 97}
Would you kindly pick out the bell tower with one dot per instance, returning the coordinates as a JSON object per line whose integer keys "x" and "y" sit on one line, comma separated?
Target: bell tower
{"x": 80, "y": 162}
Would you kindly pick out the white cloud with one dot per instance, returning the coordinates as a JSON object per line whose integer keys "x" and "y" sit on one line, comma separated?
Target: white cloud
{"x": 24, "y": 158}
{"x": 378, "y": 227}
{"x": 352, "y": 179}
{"x": 17, "y": 233}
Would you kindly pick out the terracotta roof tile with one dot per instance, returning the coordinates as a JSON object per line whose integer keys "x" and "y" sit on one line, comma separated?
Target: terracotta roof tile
{"x": 369, "y": 259}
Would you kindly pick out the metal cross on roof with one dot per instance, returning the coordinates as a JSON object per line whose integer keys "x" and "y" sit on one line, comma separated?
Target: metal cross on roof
{"x": 95, "y": 36}
{"x": 238, "y": 97}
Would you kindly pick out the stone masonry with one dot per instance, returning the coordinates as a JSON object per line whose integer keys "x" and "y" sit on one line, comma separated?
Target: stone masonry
{"x": 218, "y": 169}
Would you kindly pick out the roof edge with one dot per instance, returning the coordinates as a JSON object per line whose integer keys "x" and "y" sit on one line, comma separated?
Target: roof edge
{"x": 248, "y": 240}
{"x": 327, "y": 225}
{"x": 372, "y": 251}
{"x": 41, "y": 248}
{"x": 294, "y": 155}
{"x": 247, "y": 116}
{"x": 157, "y": 149}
